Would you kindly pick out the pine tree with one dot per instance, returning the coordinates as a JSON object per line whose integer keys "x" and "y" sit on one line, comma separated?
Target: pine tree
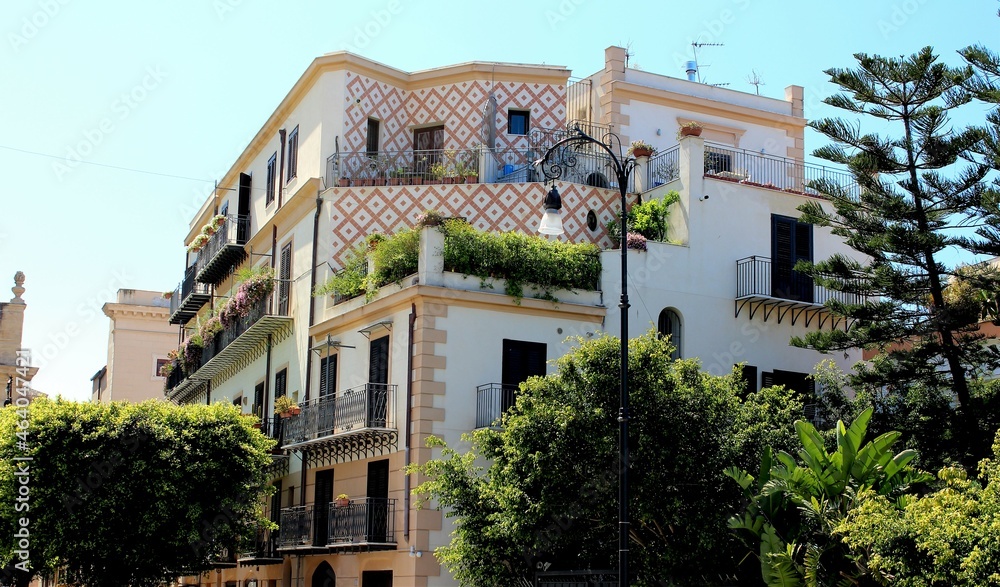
{"x": 920, "y": 191}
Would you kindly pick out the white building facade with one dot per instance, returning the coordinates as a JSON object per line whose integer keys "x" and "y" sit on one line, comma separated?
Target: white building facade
{"x": 357, "y": 148}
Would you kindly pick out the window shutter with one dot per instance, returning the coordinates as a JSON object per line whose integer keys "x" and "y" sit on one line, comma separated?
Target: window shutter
{"x": 280, "y": 381}
{"x": 521, "y": 360}
{"x": 766, "y": 379}
{"x": 285, "y": 275}
{"x": 378, "y": 360}
{"x": 749, "y": 374}
{"x": 258, "y": 400}
{"x": 327, "y": 365}
{"x": 378, "y": 479}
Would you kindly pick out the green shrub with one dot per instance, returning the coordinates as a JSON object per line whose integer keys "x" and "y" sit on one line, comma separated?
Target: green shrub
{"x": 650, "y": 219}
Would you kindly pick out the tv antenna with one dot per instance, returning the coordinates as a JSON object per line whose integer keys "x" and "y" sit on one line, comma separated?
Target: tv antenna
{"x": 694, "y": 49}
{"x": 754, "y": 80}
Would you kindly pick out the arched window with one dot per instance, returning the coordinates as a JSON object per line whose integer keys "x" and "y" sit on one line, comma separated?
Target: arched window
{"x": 670, "y": 325}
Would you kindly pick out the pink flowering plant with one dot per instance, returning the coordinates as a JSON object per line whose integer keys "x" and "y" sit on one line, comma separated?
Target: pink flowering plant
{"x": 258, "y": 283}
{"x": 636, "y": 241}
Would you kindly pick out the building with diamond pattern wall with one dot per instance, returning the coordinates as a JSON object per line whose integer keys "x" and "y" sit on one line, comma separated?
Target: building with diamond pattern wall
{"x": 357, "y": 147}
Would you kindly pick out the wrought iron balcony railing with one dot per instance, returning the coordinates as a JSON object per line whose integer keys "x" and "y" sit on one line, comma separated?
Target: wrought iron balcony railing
{"x": 263, "y": 551}
{"x": 296, "y": 527}
{"x": 224, "y": 250}
{"x": 364, "y": 169}
{"x": 492, "y": 401}
{"x": 272, "y": 427}
{"x": 266, "y": 315}
{"x": 771, "y": 171}
{"x": 778, "y": 289}
{"x": 188, "y": 298}
{"x": 366, "y": 407}
{"x": 367, "y": 521}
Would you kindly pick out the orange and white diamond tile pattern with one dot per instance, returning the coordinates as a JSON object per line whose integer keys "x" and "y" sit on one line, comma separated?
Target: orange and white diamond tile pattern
{"x": 358, "y": 212}
{"x": 459, "y": 107}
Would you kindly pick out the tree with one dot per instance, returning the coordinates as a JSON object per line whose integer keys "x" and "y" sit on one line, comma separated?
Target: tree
{"x": 546, "y": 500}
{"x": 127, "y": 494}
{"x": 914, "y": 192}
{"x": 950, "y": 538}
{"x": 796, "y": 506}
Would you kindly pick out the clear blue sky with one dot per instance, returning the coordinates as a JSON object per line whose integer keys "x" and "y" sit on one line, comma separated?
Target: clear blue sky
{"x": 180, "y": 87}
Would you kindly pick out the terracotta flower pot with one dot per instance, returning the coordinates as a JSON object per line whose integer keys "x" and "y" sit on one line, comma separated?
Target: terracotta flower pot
{"x": 642, "y": 152}
{"x": 687, "y": 131}
{"x": 471, "y": 179}
{"x": 344, "y": 182}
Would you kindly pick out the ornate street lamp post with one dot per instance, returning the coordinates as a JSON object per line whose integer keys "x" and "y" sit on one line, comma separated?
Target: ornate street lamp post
{"x": 560, "y": 158}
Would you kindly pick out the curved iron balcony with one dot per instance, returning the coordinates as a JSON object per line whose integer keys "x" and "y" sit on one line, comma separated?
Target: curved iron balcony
{"x": 492, "y": 401}
{"x": 224, "y": 250}
{"x": 333, "y": 421}
{"x": 188, "y": 298}
{"x": 268, "y": 315}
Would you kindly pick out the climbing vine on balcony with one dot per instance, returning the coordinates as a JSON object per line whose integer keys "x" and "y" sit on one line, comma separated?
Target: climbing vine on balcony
{"x": 517, "y": 258}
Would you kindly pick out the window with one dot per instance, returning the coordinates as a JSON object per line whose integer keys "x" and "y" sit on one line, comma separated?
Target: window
{"x": 373, "y": 132}
{"x": 285, "y": 277}
{"x": 521, "y": 360}
{"x": 378, "y": 361}
{"x": 322, "y": 496}
{"x": 791, "y": 242}
{"x": 238, "y": 401}
{"x": 517, "y": 122}
{"x": 159, "y": 364}
{"x": 327, "y": 375}
{"x": 798, "y": 382}
{"x": 293, "y": 153}
{"x": 669, "y": 324}
{"x": 748, "y": 373}
{"x": 280, "y": 383}
{"x": 272, "y": 171}
{"x": 716, "y": 162}
{"x": 378, "y": 501}
{"x": 258, "y": 400}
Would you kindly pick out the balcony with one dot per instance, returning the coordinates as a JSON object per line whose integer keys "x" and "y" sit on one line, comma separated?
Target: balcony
{"x": 457, "y": 166}
{"x": 188, "y": 298}
{"x": 762, "y": 287}
{"x": 352, "y": 423}
{"x": 492, "y": 401}
{"x": 297, "y": 528}
{"x": 772, "y": 172}
{"x": 224, "y": 250}
{"x": 222, "y": 353}
{"x": 364, "y": 524}
{"x": 264, "y": 550}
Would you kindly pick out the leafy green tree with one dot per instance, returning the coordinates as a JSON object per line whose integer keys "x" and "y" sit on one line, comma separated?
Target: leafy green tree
{"x": 546, "y": 499}
{"x": 915, "y": 188}
{"x": 127, "y": 495}
{"x": 796, "y": 506}
{"x": 950, "y": 538}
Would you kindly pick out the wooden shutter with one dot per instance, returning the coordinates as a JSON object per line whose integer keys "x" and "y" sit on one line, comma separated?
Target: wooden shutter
{"x": 521, "y": 360}
{"x": 373, "y": 132}
{"x": 378, "y": 505}
{"x": 272, "y": 174}
{"x": 802, "y": 252}
{"x": 327, "y": 375}
{"x": 285, "y": 276}
{"x": 749, "y": 374}
{"x": 280, "y": 383}
{"x": 243, "y": 211}
{"x": 321, "y": 506}
{"x": 766, "y": 379}
{"x": 378, "y": 360}
{"x": 782, "y": 230}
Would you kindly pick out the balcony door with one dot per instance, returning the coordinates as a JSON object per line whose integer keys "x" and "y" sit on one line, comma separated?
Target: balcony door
{"x": 378, "y": 501}
{"x": 285, "y": 275}
{"x": 378, "y": 380}
{"x": 791, "y": 242}
{"x": 321, "y": 507}
{"x": 243, "y": 209}
{"x": 521, "y": 360}
{"x": 428, "y": 143}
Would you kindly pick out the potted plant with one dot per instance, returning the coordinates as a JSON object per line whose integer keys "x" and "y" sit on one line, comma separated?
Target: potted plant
{"x": 641, "y": 149}
{"x": 344, "y": 182}
{"x": 343, "y": 500}
{"x": 396, "y": 176}
{"x": 373, "y": 239}
{"x": 285, "y": 407}
{"x": 438, "y": 172}
{"x": 689, "y": 129}
{"x": 430, "y": 218}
